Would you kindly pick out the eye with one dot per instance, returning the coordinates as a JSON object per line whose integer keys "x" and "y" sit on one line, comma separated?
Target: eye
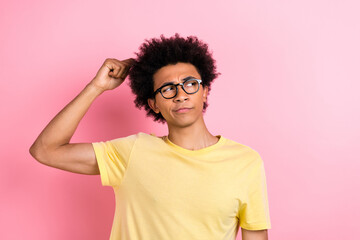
{"x": 191, "y": 83}
{"x": 168, "y": 88}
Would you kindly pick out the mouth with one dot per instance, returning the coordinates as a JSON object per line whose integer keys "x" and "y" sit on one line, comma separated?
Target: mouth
{"x": 182, "y": 110}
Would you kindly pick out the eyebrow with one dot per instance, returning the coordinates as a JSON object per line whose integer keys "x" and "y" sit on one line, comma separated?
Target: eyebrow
{"x": 183, "y": 80}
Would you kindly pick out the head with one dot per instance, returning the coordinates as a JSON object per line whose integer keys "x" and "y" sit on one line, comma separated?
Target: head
{"x": 155, "y": 60}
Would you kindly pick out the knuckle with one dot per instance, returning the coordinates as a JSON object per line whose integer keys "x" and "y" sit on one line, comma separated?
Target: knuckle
{"x": 108, "y": 60}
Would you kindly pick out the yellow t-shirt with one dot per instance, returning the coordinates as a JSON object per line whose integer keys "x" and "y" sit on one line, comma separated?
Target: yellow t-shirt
{"x": 164, "y": 191}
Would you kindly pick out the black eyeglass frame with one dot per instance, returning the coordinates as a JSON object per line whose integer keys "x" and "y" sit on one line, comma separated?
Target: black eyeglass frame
{"x": 176, "y": 87}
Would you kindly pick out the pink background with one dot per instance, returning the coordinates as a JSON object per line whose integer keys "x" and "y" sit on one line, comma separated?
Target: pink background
{"x": 289, "y": 89}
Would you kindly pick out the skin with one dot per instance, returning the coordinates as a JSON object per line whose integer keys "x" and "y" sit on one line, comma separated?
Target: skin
{"x": 254, "y": 235}
{"x": 186, "y": 127}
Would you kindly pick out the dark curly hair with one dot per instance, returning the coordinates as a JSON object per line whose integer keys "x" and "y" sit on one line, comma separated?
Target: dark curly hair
{"x": 158, "y": 52}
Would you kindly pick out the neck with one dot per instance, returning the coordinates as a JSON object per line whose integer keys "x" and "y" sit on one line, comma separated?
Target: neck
{"x": 192, "y": 137}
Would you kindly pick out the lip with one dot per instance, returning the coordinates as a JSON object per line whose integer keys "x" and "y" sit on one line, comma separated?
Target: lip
{"x": 182, "y": 110}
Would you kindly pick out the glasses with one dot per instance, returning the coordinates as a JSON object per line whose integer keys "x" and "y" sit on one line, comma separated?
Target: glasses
{"x": 170, "y": 90}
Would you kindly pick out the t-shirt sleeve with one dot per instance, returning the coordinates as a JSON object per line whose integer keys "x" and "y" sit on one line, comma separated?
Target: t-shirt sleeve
{"x": 254, "y": 210}
{"x": 113, "y": 158}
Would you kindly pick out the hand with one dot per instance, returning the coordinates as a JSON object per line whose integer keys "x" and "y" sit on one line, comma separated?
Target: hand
{"x": 112, "y": 73}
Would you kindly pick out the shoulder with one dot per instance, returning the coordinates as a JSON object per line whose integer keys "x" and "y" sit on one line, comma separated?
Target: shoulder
{"x": 130, "y": 141}
{"x": 239, "y": 146}
{"x": 245, "y": 156}
{"x": 134, "y": 137}
{"x": 143, "y": 138}
{"x": 126, "y": 140}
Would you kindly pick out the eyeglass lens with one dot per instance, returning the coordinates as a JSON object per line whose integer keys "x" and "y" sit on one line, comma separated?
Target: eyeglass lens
{"x": 190, "y": 86}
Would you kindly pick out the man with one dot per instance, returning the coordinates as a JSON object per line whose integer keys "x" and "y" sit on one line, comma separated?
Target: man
{"x": 189, "y": 184}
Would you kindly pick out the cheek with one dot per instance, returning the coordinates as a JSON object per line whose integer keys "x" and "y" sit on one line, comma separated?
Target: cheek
{"x": 164, "y": 108}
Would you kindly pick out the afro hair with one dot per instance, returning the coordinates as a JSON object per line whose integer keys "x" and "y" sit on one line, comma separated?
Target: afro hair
{"x": 159, "y": 52}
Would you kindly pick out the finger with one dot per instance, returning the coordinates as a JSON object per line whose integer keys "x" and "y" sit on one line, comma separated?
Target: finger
{"x": 120, "y": 69}
{"x": 117, "y": 71}
{"x": 117, "y": 67}
{"x": 125, "y": 72}
{"x": 110, "y": 66}
{"x": 129, "y": 61}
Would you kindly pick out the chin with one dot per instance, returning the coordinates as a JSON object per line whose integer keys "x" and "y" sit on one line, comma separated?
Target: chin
{"x": 183, "y": 122}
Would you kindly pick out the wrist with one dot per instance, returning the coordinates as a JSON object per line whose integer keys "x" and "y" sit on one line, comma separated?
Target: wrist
{"x": 94, "y": 89}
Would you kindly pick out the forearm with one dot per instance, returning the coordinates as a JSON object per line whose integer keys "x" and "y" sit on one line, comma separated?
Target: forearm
{"x": 62, "y": 127}
{"x": 53, "y": 148}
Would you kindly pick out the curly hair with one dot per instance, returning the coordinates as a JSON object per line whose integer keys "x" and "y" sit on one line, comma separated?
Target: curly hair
{"x": 159, "y": 52}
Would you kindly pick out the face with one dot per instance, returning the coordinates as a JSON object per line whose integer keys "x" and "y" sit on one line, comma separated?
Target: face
{"x": 184, "y": 109}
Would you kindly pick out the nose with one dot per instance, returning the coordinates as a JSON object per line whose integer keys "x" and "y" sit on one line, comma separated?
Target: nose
{"x": 181, "y": 95}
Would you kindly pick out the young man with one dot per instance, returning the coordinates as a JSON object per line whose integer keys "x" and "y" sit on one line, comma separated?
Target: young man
{"x": 189, "y": 184}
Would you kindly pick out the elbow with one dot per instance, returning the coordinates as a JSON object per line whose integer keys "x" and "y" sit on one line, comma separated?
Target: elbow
{"x": 35, "y": 152}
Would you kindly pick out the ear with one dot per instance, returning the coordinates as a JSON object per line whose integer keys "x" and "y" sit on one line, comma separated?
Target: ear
{"x": 152, "y": 105}
{"x": 205, "y": 93}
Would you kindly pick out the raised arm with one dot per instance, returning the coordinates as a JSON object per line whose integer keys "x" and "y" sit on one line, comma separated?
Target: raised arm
{"x": 52, "y": 146}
